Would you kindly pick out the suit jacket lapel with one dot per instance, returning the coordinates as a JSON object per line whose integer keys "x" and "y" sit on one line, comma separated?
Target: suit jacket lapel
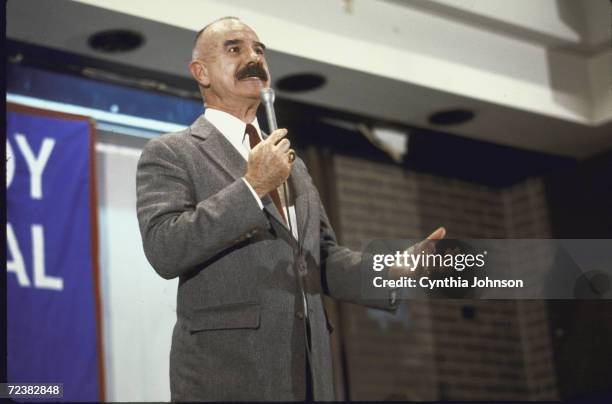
{"x": 221, "y": 151}
{"x": 218, "y": 148}
{"x": 270, "y": 207}
{"x": 299, "y": 186}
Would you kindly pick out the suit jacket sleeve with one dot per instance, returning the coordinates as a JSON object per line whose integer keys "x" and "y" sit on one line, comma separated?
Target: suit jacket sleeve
{"x": 343, "y": 269}
{"x": 180, "y": 233}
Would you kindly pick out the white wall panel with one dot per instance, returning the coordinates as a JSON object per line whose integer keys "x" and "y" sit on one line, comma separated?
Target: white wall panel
{"x": 139, "y": 307}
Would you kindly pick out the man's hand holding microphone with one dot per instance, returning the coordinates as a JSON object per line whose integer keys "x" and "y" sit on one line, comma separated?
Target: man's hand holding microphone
{"x": 270, "y": 163}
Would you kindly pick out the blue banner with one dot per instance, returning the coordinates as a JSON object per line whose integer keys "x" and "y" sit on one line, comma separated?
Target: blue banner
{"x": 52, "y": 285}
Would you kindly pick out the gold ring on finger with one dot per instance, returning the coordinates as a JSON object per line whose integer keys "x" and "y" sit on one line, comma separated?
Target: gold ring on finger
{"x": 291, "y": 155}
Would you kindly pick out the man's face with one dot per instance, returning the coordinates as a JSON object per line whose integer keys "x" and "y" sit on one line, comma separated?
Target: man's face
{"x": 235, "y": 67}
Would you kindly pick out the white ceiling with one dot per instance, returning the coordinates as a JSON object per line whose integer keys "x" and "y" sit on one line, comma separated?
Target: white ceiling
{"x": 537, "y": 73}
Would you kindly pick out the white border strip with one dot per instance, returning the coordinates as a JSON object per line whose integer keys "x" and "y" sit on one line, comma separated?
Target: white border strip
{"x": 116, "y": 149}
{"x": 99, "y": 115}
{"x": 126, "y": 130}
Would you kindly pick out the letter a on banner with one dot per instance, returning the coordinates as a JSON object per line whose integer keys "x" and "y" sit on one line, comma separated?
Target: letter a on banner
{"x": 53, "y": 305}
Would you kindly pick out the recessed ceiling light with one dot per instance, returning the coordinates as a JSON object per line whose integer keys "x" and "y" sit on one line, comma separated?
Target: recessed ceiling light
{"x": 451, "y": 117}
{"x": 115, "y": 41}
{"x": 296, "y": 83}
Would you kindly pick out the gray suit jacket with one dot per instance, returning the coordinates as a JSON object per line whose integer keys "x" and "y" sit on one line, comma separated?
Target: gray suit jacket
{"x": 240, "y": 329}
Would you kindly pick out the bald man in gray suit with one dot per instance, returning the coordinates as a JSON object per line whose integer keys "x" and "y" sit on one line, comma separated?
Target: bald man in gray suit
{"x": 250, "y": 318}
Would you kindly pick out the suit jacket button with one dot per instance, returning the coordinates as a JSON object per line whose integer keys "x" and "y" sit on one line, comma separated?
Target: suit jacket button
{"x": 299, "y": 314}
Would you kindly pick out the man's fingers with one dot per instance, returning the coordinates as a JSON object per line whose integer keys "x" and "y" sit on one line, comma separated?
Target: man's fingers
{"x": 438, "y": 234}
{"x": 283, "y": 145}
{"x": 429, "y": 244}
{"x": 276, "y": 136}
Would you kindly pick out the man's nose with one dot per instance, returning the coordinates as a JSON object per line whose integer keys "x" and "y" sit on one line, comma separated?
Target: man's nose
{"x": 254, "y": 57}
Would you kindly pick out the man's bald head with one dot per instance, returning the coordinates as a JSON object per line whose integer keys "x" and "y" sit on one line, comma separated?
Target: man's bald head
{"x": 200, "y": 39}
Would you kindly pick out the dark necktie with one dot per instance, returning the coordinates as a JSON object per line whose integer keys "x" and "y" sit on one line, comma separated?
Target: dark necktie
{"x": 254, "y": 141}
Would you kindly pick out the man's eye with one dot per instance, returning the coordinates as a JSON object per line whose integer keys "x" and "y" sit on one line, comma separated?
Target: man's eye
{"x": 259, "y": 51}
{"x": 234, "y": 49}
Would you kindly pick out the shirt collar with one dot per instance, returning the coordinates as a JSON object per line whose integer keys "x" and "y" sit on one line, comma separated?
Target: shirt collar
{"x": 230, "y": 126}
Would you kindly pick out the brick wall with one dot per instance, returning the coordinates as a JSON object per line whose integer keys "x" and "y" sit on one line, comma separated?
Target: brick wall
{"x": 442, "y": 349}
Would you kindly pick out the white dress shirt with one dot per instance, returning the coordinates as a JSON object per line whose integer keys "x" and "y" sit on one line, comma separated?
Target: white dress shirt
{"x": 234, "y": 131}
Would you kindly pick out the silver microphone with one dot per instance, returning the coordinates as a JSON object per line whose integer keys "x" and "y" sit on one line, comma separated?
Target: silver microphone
{"x": 267, "y": 98}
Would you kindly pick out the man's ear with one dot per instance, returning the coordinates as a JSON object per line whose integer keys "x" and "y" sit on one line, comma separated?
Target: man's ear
{"x": 199, "y": 72}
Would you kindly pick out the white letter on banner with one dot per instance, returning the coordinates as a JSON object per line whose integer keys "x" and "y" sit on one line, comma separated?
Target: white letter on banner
{"x": 10, "y": 164}
{"x": 41, "y": 280}
{"x": 17, "y": 265}
{"x": 36, "y": 165}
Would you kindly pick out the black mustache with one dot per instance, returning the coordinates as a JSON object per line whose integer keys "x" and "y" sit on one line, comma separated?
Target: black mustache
{"x": 252, "y": 70}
